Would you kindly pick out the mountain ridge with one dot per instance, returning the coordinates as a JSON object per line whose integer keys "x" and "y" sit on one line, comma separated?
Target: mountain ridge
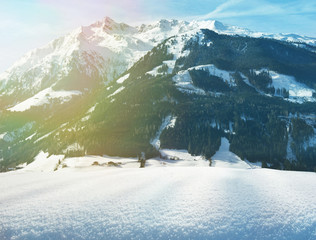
{"x": 81, "y": 39}
{"x": 210, "y": 85}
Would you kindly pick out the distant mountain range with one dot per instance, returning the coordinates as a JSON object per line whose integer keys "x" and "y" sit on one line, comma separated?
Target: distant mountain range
{"x": 110, "y": 88}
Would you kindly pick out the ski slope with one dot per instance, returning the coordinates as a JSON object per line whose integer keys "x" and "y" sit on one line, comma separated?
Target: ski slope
{"x": 225, "y": 158}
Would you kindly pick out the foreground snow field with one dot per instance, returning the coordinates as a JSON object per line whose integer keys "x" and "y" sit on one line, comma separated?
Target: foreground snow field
{"x": 158, "y": 203}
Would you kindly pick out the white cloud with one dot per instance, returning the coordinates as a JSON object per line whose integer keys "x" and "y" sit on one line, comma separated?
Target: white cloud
{"x": 242, "y": 8}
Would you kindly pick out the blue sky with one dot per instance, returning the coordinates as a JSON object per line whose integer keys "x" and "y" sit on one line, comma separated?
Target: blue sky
{"x": 27, "y": 24}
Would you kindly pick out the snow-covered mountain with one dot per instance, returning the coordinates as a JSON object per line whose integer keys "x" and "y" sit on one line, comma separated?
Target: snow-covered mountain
{"x": 105, "y": 88}
{"x": 98, "y": 54}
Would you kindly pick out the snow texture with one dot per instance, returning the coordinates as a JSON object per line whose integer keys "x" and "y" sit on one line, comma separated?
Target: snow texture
{"x": 158, "y": 203}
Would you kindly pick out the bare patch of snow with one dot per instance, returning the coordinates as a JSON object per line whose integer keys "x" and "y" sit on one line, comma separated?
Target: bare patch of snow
{"x": 44, "y": 163}
{"x": 177, "y": 43}
{"x": 22, "y": 165}
{"x": 74, "y": 147}
{"x": 86, "y": 118}
{"x": 117, "y": 91}
{"x": 155, "y": 71}
{"x": 167, "y": 121}
{"x": 246, "y": 80}
{"x": 184, "y": 83}
{"x": 170, "y": 64}
{"x": 226, "y": 159}
{"x": 298, "y": 92}
{"x": 92, "y": 109}
{"x": 225, "y": 75}
{"x": 177, "y": 158}
{"x": 30, "y": 137}
{"x": 44, "y": 97}
{"x": 2, "y": 135}
{"x": 43, "y": 137}
{"x": 122, "y": 79}
{"x": 172, "y": 122}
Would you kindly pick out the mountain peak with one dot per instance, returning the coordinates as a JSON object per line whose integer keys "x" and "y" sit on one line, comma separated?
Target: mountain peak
{"x": 217, "y": 25}
{"x": 111, "y": 26}
{"x": 108, "y": 20}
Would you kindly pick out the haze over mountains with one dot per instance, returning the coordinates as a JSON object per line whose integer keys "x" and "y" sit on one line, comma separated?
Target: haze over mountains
{"x": 108, "y": 88}
{"x": 105, "y": 49}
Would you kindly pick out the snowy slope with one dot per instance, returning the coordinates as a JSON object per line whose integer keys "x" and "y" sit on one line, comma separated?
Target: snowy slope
{"x": 43, "y": 163}
{"x": 184, "y": 82}
{"x": 226, "y": 159}
{"x": 105, "y": 48}
{"x": 158, "y": 203}
{"x": 44, "y": 97}
{"x": 298, "y": 92}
